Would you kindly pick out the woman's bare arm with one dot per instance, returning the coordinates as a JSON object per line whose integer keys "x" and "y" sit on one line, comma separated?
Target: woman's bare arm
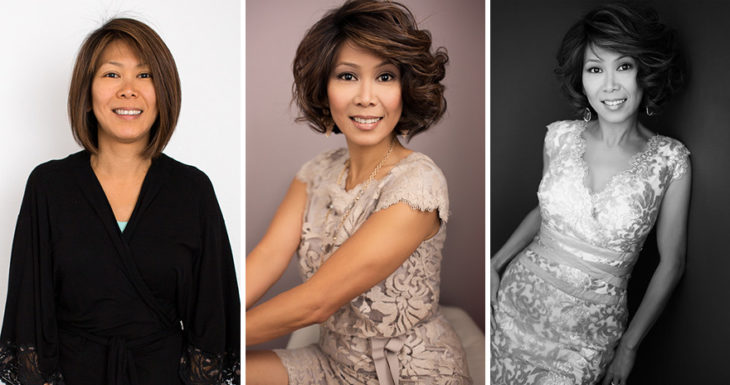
{"x": 523, "y": 234}
{"x": 520, "y": 238}
{"x": 268, "y": 260}
{"x": 671, "y": 240}
{"x": 371, "y": 254}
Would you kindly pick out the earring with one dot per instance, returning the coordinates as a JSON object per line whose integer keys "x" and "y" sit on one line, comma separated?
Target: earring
{"x": 587, "y": 114}
{"x": 404, "y": 134}
{"x": 649, "y": 112}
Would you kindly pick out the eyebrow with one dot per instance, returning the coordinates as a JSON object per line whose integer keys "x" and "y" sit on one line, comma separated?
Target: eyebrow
{"x": 598, "y": 59}
{"x": 118, "y": 64}
{"x": 382, "y": 64}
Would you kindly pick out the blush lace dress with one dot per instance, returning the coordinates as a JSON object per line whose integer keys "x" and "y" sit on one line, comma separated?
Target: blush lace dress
{"x": 561, "y": 306}
{"x": 394, "y": 331}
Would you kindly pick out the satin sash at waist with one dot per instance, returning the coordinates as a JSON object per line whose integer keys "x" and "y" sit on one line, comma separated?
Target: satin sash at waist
{"x": 384, "y": 350}
{"x": 577, "y": 254}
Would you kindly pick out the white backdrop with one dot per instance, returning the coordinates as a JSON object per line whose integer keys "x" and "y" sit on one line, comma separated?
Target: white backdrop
{"x": 38, "y": 45}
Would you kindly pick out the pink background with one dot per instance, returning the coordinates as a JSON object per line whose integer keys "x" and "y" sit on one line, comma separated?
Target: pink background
{"x": 276, "y": 146}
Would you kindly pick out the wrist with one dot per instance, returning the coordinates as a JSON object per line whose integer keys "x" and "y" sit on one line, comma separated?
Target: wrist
{"x": 500, "y": 259}
{"x": 497, "y": 263}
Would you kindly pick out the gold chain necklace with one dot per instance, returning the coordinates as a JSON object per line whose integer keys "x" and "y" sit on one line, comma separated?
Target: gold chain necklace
{"x": 333, "y": 236}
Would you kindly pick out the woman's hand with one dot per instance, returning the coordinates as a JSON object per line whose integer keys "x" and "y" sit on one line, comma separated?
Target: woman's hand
{"x": 620, "y": 367}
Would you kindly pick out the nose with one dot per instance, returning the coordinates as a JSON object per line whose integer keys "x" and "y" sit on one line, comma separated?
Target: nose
{"x": 365, "y": 95}
{"x": 611, "y": 84}
{"x": 127, "y": 90}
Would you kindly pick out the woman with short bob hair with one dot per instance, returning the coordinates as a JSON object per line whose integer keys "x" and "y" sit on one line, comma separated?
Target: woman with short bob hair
{"x": 154, "y": 53}
{"x": 392, "y": 35}
{"x": 559, "y": 283}
{"x": 635, "y": 32}
{"x": 121, "y": 270}
{"x": 367, "y": 221}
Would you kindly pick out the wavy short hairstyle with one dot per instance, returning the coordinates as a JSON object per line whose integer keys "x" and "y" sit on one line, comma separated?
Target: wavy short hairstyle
{"x": 152, "y": 51}
{"x": 631, "y": 29}
{"x": 387, "y": 29}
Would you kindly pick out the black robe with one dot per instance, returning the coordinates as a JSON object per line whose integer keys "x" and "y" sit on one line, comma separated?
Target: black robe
{"x": 89, "y": 304}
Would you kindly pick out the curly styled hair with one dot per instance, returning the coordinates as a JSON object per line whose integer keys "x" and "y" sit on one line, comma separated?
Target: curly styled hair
{"x": 153, "y": 51}
{"x": 387, "y": 29}
{"x": 631, "y": 29}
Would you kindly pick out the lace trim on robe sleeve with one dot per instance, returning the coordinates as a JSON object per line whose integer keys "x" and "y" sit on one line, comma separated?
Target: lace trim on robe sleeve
{"x": 19, "y": 366}
{"x": 202, "y": 368}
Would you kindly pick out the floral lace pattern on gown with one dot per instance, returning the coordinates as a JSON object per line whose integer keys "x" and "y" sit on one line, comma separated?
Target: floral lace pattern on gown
{"x": 561, "y": 306}
{"x": 401, "y": 312}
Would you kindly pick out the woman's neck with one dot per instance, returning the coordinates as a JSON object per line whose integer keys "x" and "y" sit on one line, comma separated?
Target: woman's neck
{"x": 120, "y": 160}
{"x": 364, "y": 159}
{"x": 613, "y": 134}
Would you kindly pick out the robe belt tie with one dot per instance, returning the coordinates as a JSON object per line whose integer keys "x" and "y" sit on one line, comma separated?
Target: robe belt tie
{"x": 385, "y": 357}
{"x": 120, "y": 367}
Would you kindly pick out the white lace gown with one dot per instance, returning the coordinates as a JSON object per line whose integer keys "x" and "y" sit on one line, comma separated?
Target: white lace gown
{"x": 561, "y": 306}
{"x": 398, "y": 320}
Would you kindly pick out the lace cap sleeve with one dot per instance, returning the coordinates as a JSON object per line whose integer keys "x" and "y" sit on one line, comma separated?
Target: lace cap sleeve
{"x": 318, "y": 165}
{"x": 419, "y": 183}
{"x": 678, "y": 159}
{"x": 556, "y": 138}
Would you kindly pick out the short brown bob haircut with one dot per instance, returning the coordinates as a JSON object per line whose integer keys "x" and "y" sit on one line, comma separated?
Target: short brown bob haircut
{"x": 632, "y": 29}
{"x": 153, "y": 52}
{"x": 387, "y": 29}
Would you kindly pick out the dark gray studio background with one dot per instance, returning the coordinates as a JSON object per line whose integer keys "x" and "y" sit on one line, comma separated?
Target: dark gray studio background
{"x": 689, "y": 343}
{"x": 276, "y": 147}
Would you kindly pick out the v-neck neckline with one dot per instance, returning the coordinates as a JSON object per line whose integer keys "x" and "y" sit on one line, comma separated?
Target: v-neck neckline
{"x": 109, "y": 212}
{"x": 634, "y": 161}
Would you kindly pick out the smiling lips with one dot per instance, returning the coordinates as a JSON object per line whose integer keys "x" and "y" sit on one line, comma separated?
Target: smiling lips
{"x": 127, "y": 111}
{"x": 614, "y": 103}
{"x": 366, "y": 122}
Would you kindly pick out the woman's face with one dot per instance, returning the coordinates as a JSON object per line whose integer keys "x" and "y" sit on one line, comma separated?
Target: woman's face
{"x": 364, "y": 94}
{"x": 123, "y": 96}
{"x": 609, "y": 83}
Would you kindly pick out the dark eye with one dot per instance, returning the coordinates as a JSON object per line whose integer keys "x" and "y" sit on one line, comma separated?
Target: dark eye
{"x": 386, "y": 77}
{"x": 145, "y": 75}
{"x": 625, "y": 67}
{"x": 110, "y": 75}
{"x": 346, "y": 76}
{"x": 593, "y": 70}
